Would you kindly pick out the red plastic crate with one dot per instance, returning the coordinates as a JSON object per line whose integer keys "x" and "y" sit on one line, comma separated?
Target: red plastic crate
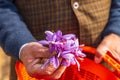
{"x": 89, "y": 70}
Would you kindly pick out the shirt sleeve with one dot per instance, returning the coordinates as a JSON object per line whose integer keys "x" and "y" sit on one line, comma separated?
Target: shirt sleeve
{"x": 113, "y": 25}
{"x": 13, "y": 30}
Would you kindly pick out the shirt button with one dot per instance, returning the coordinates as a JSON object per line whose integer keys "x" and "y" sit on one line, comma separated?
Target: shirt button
{"x": 76, "y": 5}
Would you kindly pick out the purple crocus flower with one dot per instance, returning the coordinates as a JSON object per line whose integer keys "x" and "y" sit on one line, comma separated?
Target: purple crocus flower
{"x": 66, "y": 46}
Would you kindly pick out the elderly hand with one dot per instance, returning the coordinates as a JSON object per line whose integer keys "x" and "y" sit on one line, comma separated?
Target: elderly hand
{"x": 110, "y": 43}
{"x": 33, "y": 56}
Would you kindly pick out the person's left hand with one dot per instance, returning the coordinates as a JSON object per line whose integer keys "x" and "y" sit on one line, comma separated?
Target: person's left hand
{"x": 110, "y": 43}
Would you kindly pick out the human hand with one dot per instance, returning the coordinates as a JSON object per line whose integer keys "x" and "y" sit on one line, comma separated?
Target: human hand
{"x": 110, "y": 43}
{"x": 33, "y": 56}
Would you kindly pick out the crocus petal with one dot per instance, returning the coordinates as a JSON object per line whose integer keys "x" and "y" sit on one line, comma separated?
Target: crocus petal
{"x": 49, "y": 35}
{"x": 76, "y": 42}
{"x": 65, "y": 52}
{"x": 44, "y": 42}
{"x": 67, "y": 59}
{"x": 52, "y": 48}
{"x": 65, "y": 46}
{"x": 68, "y": 56}
{"x": 54, "y": 38}
{"x": 73, "y": 62}
{"x": 79, "y": 53}
{"x": 54, "y": 60}
{"x": 68, "y": 36}
{"x": 59, "y": 35}
{"x": 65, "y": 62}
{"x": 68, "y": 45}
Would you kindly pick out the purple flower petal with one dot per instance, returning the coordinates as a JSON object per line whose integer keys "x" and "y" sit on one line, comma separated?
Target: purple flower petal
{"x": 54, "y": 60}
{"x": 49, "y": 35}
{"x": 65, "y": 62}
{"x": 44, "y": 42}
{"x": 59, "y": 35}
{"x": 67, "y": 59}
{"x": 66, "y": 47}
{"x": 52, "y": 48}
{"x": 68, "y": 36}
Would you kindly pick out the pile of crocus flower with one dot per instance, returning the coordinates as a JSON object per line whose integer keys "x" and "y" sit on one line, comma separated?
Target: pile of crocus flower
{"x": 65, "y": 46}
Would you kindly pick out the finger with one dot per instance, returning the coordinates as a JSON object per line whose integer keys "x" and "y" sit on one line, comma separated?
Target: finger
{"x": 58, "y": 73}
{"x": 115, "y": 55}
{"x": 50, "y": 67}
{"x": 44, "y": 52}
{"x": 33, "y": 67}
{"x": 45, "y": 73}
{"x": 100, "y": 52}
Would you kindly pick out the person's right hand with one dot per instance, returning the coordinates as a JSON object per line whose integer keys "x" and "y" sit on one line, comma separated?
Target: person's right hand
{"x": 33, "y": 56}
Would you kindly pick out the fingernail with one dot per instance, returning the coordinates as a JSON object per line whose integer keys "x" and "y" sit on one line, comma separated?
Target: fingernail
{"x": 97, "y": 60}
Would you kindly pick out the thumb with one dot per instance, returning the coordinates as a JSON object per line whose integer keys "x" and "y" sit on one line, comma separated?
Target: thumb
{"x": 100, "y": 52}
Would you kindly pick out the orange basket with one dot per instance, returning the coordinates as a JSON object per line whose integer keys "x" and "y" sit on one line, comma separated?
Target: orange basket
{"x": 89, "y": 70}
